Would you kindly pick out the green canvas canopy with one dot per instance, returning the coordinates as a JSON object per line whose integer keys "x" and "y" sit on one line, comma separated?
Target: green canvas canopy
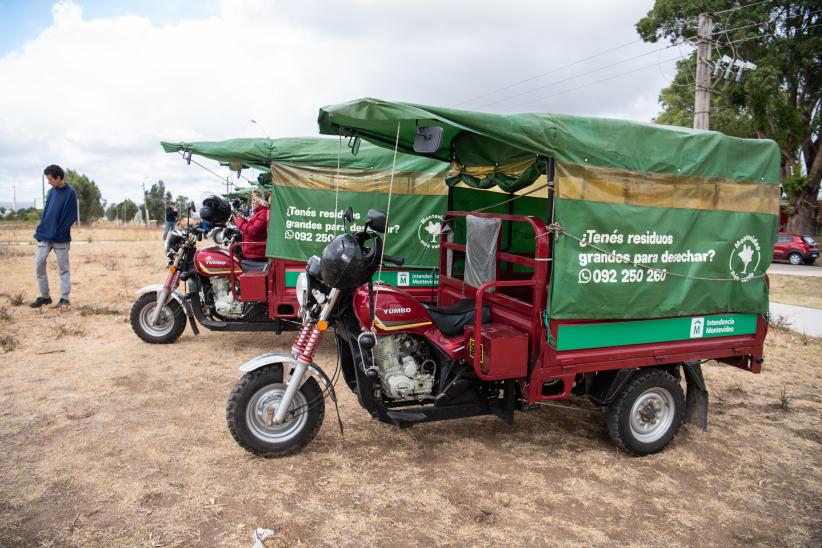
{"x": 657, "y": 221}
{"x": 312, "y": 179}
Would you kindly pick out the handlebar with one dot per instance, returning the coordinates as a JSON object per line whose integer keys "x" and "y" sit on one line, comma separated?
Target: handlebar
{"x": 396, "y": 261}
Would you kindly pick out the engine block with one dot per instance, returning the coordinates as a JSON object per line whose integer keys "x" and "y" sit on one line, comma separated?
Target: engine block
{"x": 400, "y": 364}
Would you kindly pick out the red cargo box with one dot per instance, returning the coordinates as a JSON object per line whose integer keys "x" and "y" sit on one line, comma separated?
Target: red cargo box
{"x": 253, "y": 286}
{"x": 503, "y": 351}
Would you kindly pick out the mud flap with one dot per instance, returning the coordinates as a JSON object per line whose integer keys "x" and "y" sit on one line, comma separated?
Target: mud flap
{"x": 696, "y": 400}
{"x": 506, "y": 412}
{"x": 190, "y": 314}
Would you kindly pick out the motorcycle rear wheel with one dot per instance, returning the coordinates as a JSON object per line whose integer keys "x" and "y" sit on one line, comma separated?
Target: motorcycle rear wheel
{"x": 171, "y": 325}
{"x": 254, "y": 400}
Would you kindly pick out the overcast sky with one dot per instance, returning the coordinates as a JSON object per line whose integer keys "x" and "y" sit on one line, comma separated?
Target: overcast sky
{"x": 95, "y": 86}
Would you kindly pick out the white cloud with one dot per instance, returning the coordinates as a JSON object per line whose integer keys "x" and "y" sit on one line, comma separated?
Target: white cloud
{"x": 97, "y": 95}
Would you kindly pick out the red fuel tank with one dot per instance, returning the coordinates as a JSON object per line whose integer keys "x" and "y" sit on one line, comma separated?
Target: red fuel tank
{"x": 215, "y": 261}
{"x": 396, "y": 310}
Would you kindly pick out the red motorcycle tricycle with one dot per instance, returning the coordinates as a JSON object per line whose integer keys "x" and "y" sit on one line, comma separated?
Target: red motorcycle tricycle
{"x": 483, "y": 351}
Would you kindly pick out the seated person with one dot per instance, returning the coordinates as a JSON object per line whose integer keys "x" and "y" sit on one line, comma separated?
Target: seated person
{"x": 255, "y": 228}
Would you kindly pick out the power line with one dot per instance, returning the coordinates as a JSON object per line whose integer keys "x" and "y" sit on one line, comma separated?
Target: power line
{"x": 760, "y": 23}
{"x": 515, "y": 84}
{"x": 527, "y": 92}
{"x": 766, "y": 35}
{"x": 599, "y": 81}
{"x": 740, "y": 7}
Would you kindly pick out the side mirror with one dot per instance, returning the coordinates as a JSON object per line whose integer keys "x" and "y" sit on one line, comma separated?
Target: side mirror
{"x": 354, "y": 144}
{"x": 428, "y": 139}
{"x": 376, "y": 220}
{"x": 348, "y": 214}
{"x": 191, "y": 206}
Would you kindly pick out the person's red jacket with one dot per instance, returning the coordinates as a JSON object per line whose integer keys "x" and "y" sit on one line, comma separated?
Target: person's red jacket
{"x": 255, "y": 229}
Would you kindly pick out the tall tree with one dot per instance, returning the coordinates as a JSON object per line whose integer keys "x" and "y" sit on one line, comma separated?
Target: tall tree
{"x": 123, "y": 211}
{"x": 156, "y": 198}
{"x": 780, "y": 100}
{"x": 182, "y": 204}
{"x": 88, "y": 195}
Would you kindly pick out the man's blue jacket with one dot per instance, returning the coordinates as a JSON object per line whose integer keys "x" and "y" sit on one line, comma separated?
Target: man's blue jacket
{"x": 58, "y": 215}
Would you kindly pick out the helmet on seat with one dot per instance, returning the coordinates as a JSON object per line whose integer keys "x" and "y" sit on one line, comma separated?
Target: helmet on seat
{"x": 216, "y": 210}
{"x": 344, "y": 265}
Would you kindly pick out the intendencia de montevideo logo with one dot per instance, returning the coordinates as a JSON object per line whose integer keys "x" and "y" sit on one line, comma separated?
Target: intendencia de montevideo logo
{"x": 428, "y": 231}
{"x": 745, "y": 258}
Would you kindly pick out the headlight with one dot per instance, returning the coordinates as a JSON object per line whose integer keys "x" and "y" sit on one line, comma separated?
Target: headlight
{"x": 302, "y": 288}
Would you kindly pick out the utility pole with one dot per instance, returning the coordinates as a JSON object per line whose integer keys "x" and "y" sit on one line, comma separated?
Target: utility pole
{"x": 14, "y": 198}
{"x": 702, "y": 92}
{"x": 145, "y": 198}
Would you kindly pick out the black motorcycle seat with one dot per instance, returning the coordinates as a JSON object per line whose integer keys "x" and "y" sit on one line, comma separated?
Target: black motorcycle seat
{"x": 249, "y": 265}
{"x": 452, "y": 319}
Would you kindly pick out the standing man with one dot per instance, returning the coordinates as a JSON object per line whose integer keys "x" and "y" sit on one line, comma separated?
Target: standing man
{"x": 54, "y": 232}
{"x": 171, "y": 219}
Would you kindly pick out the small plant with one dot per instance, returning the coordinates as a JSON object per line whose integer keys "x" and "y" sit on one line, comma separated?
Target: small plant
{"x": 9, "y": 249}
{"x": 90, "y": 258}
{"x": 4, "y": 314}
{"x": 143, "y": 259}
{"x": 98, "y": 310}
{"x": 17, "y": 299}
{"x": 125, "y": 283}
{"x": 785, "y": 403}
{"x": 90, "y": 238}
{"x": 66, "y": 329}
{"x": 111, "y": 263}
{"x": 8, "y": 343}
{"x": 778, "y": 322}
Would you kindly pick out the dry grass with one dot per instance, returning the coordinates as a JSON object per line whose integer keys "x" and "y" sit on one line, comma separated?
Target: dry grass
{"x": 110, "y": 264}
{"x": 796, "y": 290}
{"x": 5, "y": 315}
{"x": 68, "y": 328}
{"x": 10, "y": 249}
{"x": 101, "y": 231}
{"x": 8, "y": 342}
{"x": 98, "y": 310}
{"x": 118, "y": 443}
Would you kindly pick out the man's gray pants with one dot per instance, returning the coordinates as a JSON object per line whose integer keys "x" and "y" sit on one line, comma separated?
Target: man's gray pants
{"x": 61, "y": 251}
{"x": 167, "y": 227}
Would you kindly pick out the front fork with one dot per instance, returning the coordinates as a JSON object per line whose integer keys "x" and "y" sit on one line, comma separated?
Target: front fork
{"x": 303, "y": 351}
{"x": 171, "y": 283}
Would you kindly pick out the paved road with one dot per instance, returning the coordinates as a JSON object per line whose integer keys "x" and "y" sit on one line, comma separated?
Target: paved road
{"x": 801, "y": 318}
{"x": 800, "y": 270}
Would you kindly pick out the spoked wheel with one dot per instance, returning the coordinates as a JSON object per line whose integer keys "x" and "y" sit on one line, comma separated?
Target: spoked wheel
{"x": 647, "y": 414}
{"x": 795, "y": 258}
{"x": 168, "y": 328}
{"x": 253, "y": 403}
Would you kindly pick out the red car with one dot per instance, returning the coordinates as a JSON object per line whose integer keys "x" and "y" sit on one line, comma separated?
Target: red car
{"x": 795, "y": 249}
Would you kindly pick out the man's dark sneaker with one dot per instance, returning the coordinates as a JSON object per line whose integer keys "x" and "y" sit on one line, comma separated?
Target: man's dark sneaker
{"x": 61, "y": 303}
{"x": 40, "y": 301}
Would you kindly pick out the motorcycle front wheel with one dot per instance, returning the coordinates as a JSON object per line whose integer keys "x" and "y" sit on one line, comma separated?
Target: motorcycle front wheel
{"x": 168, "y": 329}
{"x": 253, "y": 403}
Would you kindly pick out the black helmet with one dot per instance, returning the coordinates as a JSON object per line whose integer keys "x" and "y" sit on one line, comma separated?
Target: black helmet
{"x": 344, "y": 265}
{"x": 216, "y": 210}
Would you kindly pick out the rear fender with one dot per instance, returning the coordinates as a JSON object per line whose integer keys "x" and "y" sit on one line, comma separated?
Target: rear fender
{"x": 154, "y": 288}
{"x": 287, "y": 362}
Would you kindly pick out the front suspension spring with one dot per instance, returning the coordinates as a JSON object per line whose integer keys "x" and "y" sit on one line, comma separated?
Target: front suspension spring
{"x": 299, "y": 344}
{"x": 307, "y": 354}
{"x": 171, "y": 281}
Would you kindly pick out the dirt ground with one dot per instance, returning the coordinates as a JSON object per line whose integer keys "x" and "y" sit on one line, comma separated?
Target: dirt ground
{"x": 108, "y": 441}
